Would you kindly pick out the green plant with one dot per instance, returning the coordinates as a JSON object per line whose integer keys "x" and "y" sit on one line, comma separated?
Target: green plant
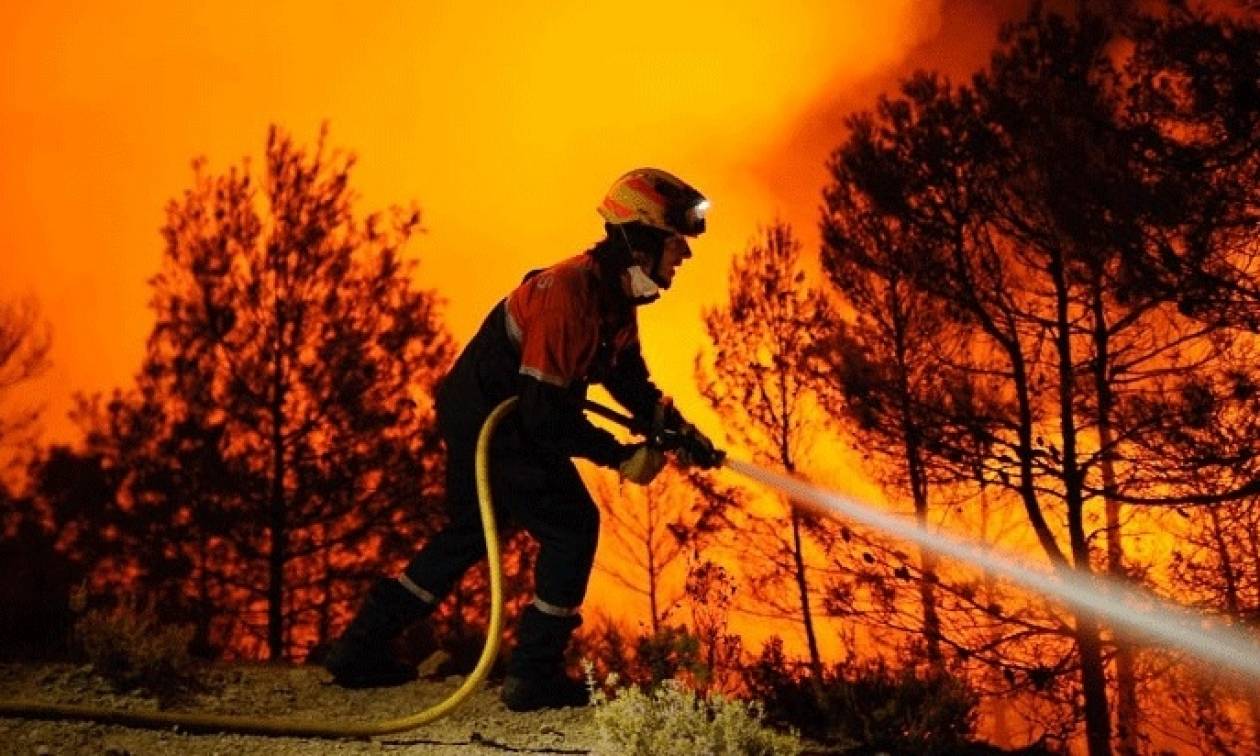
{"x": 129, "y": 646}
{"x": 670, "y": 718}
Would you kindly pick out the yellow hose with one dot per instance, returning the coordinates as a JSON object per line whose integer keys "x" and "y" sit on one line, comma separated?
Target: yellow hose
{"x": 310, "y": 728}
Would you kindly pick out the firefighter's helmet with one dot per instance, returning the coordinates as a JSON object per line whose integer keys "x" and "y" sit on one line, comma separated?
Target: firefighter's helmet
{"x": 655, "y": 199}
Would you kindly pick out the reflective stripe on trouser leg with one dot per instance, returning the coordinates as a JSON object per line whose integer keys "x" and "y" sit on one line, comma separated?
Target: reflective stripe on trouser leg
{"x": 556, "y": 611}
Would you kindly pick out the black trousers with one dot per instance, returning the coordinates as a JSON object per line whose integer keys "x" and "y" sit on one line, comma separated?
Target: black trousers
{"x": 543, "y": 495}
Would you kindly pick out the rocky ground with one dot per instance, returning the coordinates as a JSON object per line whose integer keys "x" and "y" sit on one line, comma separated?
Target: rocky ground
{"x": 480, "y": 725}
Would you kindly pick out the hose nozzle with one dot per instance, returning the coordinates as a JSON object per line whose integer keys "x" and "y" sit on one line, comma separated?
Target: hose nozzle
{"x": 691, "y": 446}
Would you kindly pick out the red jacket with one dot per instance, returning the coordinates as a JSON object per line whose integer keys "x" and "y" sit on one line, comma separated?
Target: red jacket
{"x": 562, "y": 329}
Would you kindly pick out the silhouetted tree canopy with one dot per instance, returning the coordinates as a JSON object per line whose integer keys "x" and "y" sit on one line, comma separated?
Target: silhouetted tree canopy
{"x": 760, "y": 385}
{"x": 279, "y": 445}
{"x": 25, "y": 339}
{"x": 1051, "y": 272}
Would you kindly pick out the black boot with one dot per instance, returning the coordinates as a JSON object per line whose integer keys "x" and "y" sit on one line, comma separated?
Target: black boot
{"x": 361, "y": 658}
{"x": 536, "y": 678}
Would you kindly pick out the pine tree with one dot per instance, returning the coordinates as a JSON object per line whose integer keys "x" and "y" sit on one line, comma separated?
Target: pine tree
{"x": 290, "y": 447}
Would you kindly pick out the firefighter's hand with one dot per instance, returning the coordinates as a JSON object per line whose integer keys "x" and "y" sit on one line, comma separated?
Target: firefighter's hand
{"x": 696, "y": 450}
{"x": 642, "y": 465}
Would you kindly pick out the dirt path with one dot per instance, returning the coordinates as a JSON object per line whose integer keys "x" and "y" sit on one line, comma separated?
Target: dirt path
{"x": 480, "y": 725}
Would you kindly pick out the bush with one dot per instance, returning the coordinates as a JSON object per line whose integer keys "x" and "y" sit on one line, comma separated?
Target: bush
{"x": 670, "y": 653}
{"x": 867, "y": 707}
{"x": 647, "y": 660}
{"x": 603, "y": 645}
{"x": 672, "y": 719}
{"x": 129, "y": 647}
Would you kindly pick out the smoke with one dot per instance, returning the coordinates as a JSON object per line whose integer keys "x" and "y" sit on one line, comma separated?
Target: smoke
{"x": 951, "y": 37}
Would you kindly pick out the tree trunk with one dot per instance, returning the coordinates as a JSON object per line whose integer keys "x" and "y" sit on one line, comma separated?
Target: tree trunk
{"x": 931, "y": 620}
{"x": 918, "y": 484}
{"x": 656, "y": 617}
{"x": 1088, "y": 636}
{"x": 278, "y": 553}
{"x": 1001, "y": 728}
{"x": 1128, "y": 715}
{"x": 1094, "y": 686}
{"x": 1089, "y": 644}
{"x": 1088, "y": 633}
{"x": 927, "y": 581}
{"x": 1089, "y": 641}
{"x": 324, "y": 630}
{"x": 275, "y": 563}
{"x": 807, "y": 618}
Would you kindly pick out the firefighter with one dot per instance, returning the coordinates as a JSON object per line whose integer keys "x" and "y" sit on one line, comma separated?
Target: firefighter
{"x": 562, "y": 329}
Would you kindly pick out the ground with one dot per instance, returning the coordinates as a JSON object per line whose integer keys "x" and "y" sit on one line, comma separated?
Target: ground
{"x": 480, "y": 725}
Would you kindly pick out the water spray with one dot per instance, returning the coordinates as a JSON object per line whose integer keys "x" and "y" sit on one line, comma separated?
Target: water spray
{"x": 1124, "y": 607}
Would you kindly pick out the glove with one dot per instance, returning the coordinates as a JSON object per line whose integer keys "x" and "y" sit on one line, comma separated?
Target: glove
{"x": 642, "y": 465}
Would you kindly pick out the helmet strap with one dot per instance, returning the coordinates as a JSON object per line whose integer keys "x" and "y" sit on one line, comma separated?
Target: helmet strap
{"x": 653, "y": 254}
{"x": 644, "y": 287}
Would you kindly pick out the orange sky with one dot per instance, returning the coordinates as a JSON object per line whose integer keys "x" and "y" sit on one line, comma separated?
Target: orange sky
{"x": 505, "y": 123}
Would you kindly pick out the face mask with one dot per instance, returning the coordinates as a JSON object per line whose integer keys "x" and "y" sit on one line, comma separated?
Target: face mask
{"x": 641, "y": 284}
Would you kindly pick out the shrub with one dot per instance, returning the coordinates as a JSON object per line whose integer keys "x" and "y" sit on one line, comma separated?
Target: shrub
{"x": 867, "y": 707}
{"x": 646, "y": 660}
{"x": 672, "y": 719}
{"x": 669, "y": 653}
{"x": 604, "y": 645}
{"x": 129, "y": 647}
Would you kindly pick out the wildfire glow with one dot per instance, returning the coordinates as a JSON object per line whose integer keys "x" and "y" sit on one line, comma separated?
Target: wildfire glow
{"x": 505, "y": 122}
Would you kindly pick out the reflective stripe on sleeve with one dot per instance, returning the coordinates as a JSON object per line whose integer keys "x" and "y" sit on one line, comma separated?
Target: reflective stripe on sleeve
{"x": 556, "y": 611}
{"x": 513, "y": 328}
{"x": 416, "y": 590}
{"x": 537, "y": 374}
